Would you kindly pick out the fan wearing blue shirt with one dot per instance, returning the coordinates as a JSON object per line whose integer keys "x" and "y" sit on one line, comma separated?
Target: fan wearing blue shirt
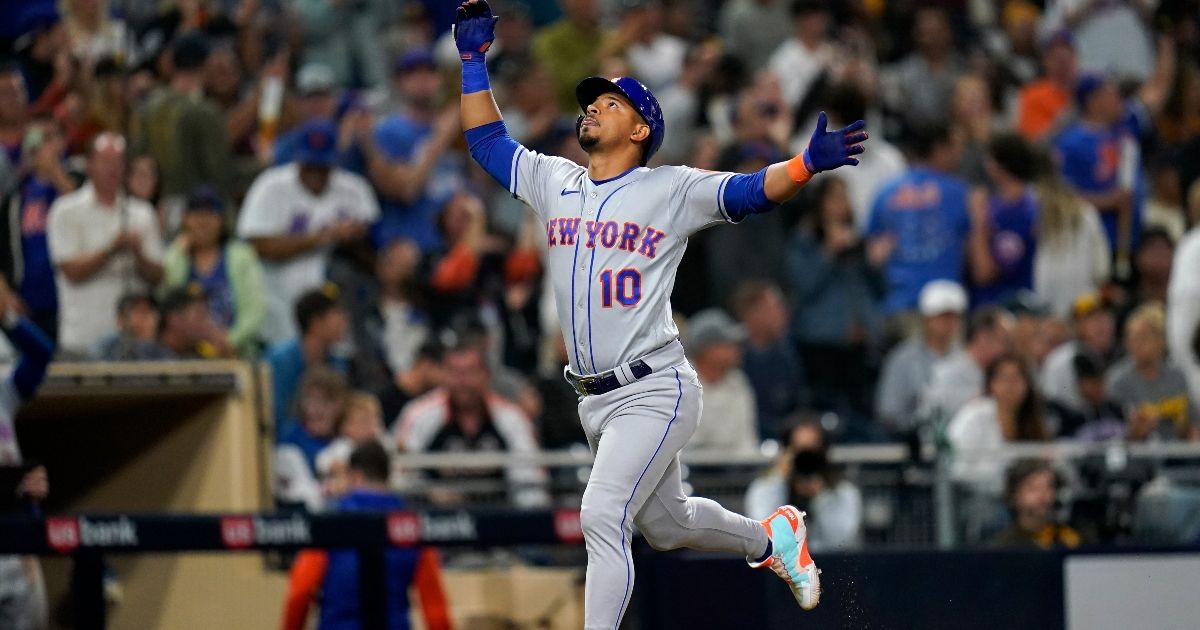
{"x": 1002, "y": 254}
{"x": 1099, "y": 155}
{"x": 925, "y": 210}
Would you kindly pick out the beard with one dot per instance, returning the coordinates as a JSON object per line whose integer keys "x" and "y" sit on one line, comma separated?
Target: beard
{"x": 588, "y": 141}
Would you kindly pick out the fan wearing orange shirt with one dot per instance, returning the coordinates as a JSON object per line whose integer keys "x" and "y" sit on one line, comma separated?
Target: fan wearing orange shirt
{"x": 1042, "y": 103}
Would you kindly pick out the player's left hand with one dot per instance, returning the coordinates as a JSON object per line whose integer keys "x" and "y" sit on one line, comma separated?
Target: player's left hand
{"x": 828, "y": 150}
{"x": 474, "y": 28}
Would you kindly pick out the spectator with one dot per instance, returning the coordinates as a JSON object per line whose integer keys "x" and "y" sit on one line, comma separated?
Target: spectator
{"x": 136, "y": 338}
{"x": 186, "y": 330}
{"x": 102, "y": 243}
{"x": 227, "y": 270}
{"x": 1151, "y": 269}
{"x": 1145, "y": 382}
{"x": 847, "y": 102}
{"x": 1094, "y": 333}
{"x": 925, "y": 211}
{"x": 322, "y": 322}
{"x": 754, "y": 29}
{"x": 332, "y": 578}
{"x": 294, "y": 214}
{"x": 1183, "y": 308}
{"x": 908, "y": 368}
{"x": 317, "y": 99}
{"x": 1034, "y": 329}
{"x": 408, "y": 156}
{"x": 14, "y": 116}
{"x": 959, "y": 378}
{"x": 183, "y": 129}
{"x": 728, "y": 420}
{"x": 1031, "y": 493}
{"x": 654, "y": 56}
{"x": 320, "y": 403}
{"x": 465, "y": 415}
{"x": 1179, "y": 122}
{"x": 838, "y": 286}
{"x": 1164, "y": 205}
{"x": 392, "y": 324}
{"x": 1096, "y": 155}
{"x": 925, "y": 79}
{"x": 362, "y": 423}
{"x": 971, "y": 117}
{"x": 804, "y": 57}
{"x": 1112, "y": 36}
{"x": 803, "y": 476}
{"x": 345, "y": 36}
{"x": 44, "y": 56}
{"x": 769, "y": 359}
{"x": 422, "y": 375}
{"x": 1102, "y": 419}
{"x": 1042, "y": 104}
{"x": 1073, "y": 252}
{"x": 1010, "y": 411}
{"x": 567, "y": 48}
{"x": 27, "y": 273}
{"x": 1003, "y": 252}
{"x": 93, "y": 31}
{"x": 24, "y": 485}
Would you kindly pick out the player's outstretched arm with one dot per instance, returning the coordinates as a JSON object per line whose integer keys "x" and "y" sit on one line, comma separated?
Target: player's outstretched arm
{"x": 474, "y": 32}
{"x": 826, "y": 151}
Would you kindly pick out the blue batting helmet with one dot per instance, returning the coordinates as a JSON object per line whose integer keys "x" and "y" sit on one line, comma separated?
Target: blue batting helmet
{"x": 591, "y": 88}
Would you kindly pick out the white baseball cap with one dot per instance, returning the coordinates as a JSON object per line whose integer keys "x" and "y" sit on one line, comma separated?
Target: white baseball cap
{"x": 942, "y": 296}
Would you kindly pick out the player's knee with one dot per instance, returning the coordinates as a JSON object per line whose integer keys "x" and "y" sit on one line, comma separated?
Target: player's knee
{"x": 664, "y": 535}
{"x": 599, "y": 521}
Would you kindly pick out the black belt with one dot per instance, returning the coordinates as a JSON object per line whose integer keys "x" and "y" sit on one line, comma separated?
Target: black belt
{"x": 607, "y": 381}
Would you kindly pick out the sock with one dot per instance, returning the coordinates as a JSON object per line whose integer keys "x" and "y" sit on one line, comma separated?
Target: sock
{"x": 767, "y": 553}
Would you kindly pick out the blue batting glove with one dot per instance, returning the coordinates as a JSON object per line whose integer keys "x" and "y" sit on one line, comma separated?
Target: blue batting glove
{"x": 828, "y": 150}
{"x": 474, "y": 29}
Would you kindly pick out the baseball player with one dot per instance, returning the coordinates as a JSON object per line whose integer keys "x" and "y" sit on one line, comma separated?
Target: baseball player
{"x": 615, "y": 233}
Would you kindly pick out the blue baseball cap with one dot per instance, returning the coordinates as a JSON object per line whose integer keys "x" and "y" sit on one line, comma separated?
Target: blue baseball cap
{"x": 204, "y": 198}
{"x": 1086, "y": 86}
{"x": 413, "y": 59}
{"x": 318, "y": 144}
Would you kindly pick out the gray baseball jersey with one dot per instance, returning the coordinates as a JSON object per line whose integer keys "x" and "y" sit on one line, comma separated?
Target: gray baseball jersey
{"x": 613, "y": 248}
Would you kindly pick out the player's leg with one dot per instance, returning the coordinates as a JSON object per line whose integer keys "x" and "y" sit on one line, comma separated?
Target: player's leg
{"x": 641, "y": 428}
{"x": 670, "y": 520}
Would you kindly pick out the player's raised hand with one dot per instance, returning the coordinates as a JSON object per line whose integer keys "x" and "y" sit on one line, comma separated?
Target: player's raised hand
{"x": 474, "y": 28}
{"x": 828, "y": 150}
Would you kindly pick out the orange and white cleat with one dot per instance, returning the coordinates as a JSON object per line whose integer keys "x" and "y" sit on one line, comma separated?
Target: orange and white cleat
{"x": 789, "y": 557}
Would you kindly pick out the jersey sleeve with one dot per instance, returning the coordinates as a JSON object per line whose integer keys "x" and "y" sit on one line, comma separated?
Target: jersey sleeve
{"x": 527, "y": 175}
{"x": 698, "y": 198}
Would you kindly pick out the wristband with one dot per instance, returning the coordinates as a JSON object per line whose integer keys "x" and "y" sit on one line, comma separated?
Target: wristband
{"x": 798, "y": 168}
{"x": 474, "y": 73}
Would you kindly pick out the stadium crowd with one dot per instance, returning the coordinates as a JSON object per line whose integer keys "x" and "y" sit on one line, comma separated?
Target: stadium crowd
{"x": 1017, "y": 257}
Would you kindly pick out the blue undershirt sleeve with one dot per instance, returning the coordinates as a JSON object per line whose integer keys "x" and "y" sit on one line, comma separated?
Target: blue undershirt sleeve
{"x": 745, "y": 194}
{"x": 494, "y": 149}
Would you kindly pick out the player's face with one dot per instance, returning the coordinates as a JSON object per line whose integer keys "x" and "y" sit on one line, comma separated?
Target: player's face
{"x": 610, "y": 121}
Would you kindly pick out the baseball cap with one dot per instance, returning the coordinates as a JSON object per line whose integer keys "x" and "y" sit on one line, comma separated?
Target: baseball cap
{"x": 942, "y": 296}
{"x": 204, "y": 197}
{"x": 315, "y": 78}
{"x": 712, "y": 326}
{"x": 189, "y": 51}
{"x": 1087, "y": 304}
{"x": 318, "y": 143}
{"x": 413, "y": 59}
{"x": 1086, "y": 86}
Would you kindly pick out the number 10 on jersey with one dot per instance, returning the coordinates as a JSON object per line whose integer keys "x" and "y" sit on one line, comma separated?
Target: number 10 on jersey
{"x": 624, "y": 285}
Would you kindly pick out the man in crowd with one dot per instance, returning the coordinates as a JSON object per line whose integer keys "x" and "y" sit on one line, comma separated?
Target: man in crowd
{"x": 908, "y": 368}
{"x": 1095, "y": 333}
{"x": 323, "y": 324}
{"x": 187, "y": 331}
{"x": 295, "y": 214}
{"x": 1043, "y": 103}
{"x": 465, "y": 415}
{"x": 1031, "y": 491}
{"x": 103, "y": 244}
{"x": 136, "y": 338}
{"x": 1146, "y": 382}
{"x": 728, "y": 420}
{"x": 769, "y": 359}
{"x": 958, "y": 378}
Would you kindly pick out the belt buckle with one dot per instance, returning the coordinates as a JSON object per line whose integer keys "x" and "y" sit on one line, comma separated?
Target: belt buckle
{"x": 585, "y": 383}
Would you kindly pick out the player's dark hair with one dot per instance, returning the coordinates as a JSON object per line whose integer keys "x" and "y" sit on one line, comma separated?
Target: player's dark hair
{"x": 984, "y": 319}
{"x": 926, "y": 139}
{"x": 315, "y": 304}
{"x": 372, "y": 460}
{"x": 1030, "y": 424}
{"x": 1015, "y": 155}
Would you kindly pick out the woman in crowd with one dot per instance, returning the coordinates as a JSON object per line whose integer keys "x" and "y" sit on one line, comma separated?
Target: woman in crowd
{"x": 1011, "y": 411}
{"x": 227, "y": 269}
{"x": 837, "y": 282}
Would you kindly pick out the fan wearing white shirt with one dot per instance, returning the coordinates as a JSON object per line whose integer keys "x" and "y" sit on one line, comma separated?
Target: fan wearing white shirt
{"x": 805, "y": 56}
{"x": 295, "y": 214}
